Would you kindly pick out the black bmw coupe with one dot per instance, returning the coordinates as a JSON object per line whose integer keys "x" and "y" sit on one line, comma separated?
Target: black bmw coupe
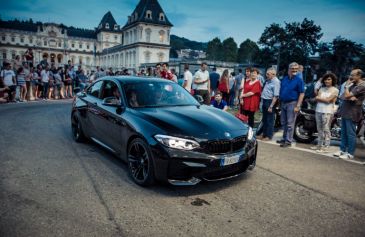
{"x": 162, "y": 132}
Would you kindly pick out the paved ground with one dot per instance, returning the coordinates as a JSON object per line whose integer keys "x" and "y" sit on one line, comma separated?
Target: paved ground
{"x": 52, "y": 186}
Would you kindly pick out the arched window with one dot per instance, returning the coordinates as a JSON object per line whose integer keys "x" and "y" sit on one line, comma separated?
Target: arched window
{"x": 127, "y": 38}
{"x": 149, "y": 14}
{"x": 115, "y": 27}
{"x": 148, "y": 35}
{"x": 135, "y": 35}
{"x": 161, "y": 17}
{"x": 160, "y": 56}
{"x": 147, "y": 56}
{"x": 107, "y": 25}
{"x": 162, "y": 35}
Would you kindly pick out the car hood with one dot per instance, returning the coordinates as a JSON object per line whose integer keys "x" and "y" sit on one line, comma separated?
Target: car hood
{"x": 200, "y": 122}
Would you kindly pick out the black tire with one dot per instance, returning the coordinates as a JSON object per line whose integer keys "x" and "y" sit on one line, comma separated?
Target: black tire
{"x": 140, "y": 164}
{"x": 301, "y": 134}
{"x": 77, "y": 133}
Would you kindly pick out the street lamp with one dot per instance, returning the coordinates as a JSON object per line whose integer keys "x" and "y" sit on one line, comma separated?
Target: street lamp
{"x": 278, "y": 46}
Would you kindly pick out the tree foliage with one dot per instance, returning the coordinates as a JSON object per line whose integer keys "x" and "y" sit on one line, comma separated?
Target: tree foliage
{"x": 229, "y": 47}
{"x": 215, "y": 49}
{"x": 295, "y": 41}
{"x": 248, "y": 52}
{"x": 340, "y": 56}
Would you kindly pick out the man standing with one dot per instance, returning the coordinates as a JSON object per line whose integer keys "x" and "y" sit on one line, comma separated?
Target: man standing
{"x": 269, "y": 96}
{"x": 237, "y": 85}
{"x": 165, "y": 73}
{"x": 158, "y": 70}
{"x": 291, "y": 98}
{"x": 202, "y": 82}
{"x": 7, "y": 78}
{"x": 188, "y": 78}
{"x": 45, "y": 75}
{"x": 351, "y": 113}
{"x": 214, "y": 79}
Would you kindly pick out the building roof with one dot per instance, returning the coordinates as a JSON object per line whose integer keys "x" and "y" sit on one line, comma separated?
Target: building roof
{"x": 30, "y": 26}
{"x": 82, "y": 33}
{"x": 108, "y": 20}
{"x": 140, "y": 14}
{"x": 20, "y": 25}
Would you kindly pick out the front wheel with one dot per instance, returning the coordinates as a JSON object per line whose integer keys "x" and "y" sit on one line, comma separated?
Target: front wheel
{"x": 77, "y": 132}
{"x": 301, "y": 134}
{"x": 140, "y": 163}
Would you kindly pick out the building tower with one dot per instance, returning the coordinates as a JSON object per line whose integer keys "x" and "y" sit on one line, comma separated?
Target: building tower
{"x": 146, "y": 35}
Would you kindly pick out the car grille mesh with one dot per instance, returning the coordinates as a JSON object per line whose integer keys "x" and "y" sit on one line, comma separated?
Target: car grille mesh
{"x": 225, "y": 146}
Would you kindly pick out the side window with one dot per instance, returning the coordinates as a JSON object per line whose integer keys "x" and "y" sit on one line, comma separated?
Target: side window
{"x": 95, "y": 89}
{"x": 110, "y": 89}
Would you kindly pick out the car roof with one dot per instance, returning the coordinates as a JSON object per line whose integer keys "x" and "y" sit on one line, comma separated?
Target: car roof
{"x": 131, "y": 79}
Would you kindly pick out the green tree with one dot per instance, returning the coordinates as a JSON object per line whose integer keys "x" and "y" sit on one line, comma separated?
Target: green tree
{"x": 265, "y": 57}
{"x": 214, "y": 49}
{"x": 296, "y": 41}
{"x": 229, "y": 47}
{"x": 341, "y": 56}
{"x": 248, "y": 52}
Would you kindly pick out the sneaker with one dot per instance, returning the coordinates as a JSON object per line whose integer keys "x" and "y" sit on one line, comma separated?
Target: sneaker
{"x": 339, "y": 153}
{"x": 322, "y": 150}
{"x": 345, "y": 156}
{"x": 259, "y": 137}
{"x": 315, "y": 147}
{"x": 285, "y": 145}
{"x": 280, "y": 141}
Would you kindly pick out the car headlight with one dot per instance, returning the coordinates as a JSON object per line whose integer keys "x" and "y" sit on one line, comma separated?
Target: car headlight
{"x": 176, "y": 142}
{"x": 249, "y": 133}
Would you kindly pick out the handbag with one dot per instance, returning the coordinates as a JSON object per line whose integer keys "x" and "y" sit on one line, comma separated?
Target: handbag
{"x": 242, "y": 117}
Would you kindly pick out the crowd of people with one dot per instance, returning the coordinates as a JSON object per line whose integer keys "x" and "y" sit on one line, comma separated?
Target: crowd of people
{"x": 252, "y": 93}
{"x": 45, "y": 81}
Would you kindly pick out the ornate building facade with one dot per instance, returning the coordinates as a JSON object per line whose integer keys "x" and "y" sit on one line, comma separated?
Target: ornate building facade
{"x": 145, "y": 38}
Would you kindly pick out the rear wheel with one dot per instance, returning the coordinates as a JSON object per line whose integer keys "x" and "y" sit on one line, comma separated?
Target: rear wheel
{"x": 301, "y": 134}
{"x": 140, "y": 163}
{"x": 77, "y": 132}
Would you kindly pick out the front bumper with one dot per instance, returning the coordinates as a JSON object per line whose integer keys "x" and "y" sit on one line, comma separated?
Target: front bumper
{"x": 189, "y": 168}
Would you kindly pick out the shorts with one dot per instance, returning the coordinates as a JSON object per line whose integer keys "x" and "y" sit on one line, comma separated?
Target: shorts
{"x": 21, "y": 83}
{"x": 12, "y": 88}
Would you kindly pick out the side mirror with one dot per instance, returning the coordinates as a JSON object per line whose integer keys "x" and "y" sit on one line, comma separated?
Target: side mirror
{"x": 81, "y": 94}
{"x": 199, "y": 98}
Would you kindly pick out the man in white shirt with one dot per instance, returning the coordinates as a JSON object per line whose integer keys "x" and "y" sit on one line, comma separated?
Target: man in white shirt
{"x": 7, "y": 77}
{"x": 202, "y": 82}
{"x": 188, "y": 78}
{"x": 45, "y": 82}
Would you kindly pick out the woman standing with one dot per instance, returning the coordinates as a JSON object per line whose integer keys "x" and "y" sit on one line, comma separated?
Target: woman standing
{"x": 22, "y": 84}
{"x": 250, "y": 97}
{"x": 223, "y": 85}
{"x": 326, "y": 98}
{"x": 68, "y": 83}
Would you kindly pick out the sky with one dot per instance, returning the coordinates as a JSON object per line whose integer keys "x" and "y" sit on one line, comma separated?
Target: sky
{"x": 202, "y": 20}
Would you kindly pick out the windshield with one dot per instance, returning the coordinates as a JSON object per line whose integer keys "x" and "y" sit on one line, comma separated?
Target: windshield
{"x": 157, "y": 94}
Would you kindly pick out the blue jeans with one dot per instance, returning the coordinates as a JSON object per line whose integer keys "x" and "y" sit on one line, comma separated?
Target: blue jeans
{"x": 348, "y": 136}
{"x": 267, "y": 119}
{"x": 287, "y": 119}
{"x": 45, "y": 90}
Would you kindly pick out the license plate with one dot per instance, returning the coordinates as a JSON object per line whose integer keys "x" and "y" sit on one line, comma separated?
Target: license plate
{"x": 230, "y": 160}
